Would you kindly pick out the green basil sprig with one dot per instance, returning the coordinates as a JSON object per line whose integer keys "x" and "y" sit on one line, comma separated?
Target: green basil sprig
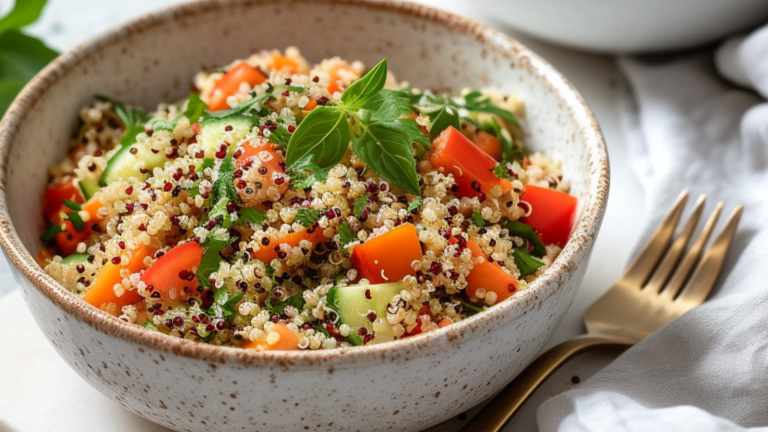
{"x": 368, "y": 116}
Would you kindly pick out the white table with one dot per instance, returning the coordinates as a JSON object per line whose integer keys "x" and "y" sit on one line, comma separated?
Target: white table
{"x": 39, "y": 392}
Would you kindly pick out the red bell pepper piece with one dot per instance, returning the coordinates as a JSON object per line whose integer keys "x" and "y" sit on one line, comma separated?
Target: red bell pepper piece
{"x": 553, "y": 214}
{"x": 176, "y": 269}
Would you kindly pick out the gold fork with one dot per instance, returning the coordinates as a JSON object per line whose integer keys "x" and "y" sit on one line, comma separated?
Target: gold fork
{"x": 656, "y": 288}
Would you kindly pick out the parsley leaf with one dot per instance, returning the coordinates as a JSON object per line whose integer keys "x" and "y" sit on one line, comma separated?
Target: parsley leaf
{"x": 305, "y": 172}
{"x": 280, "y": 136}
{"x": 359, "y": 206}
{"x": 324, "y": 133}
{"x": 220, "y": 295}
{"x": 477, "y": 219}
{"x": 519, "y": 229}
{"x": 414, "y": 204}
{"x": 366, "y": 88}
{"x": 224, "y": 187}
{"x": 50, "y": 233}
{"x": 526, "y": 263}
{"x": 278, "y": 308}
{"x": 346, "y": 235}
{"x": 133, "y": 120}
{"x": 72, "y": 205}
{"x": 472, "y": 309}
{"x": 228, "y": 308}
{"x": 251, "y": 215}
{"x": 76, "y": 220}
{"x": 210, "y": 262}
{"x": 307, "y": 217}
{"x": 195, "y": 108}
{"x": 502, "y": 172}
{"x": 387, "y": 149}
{"x": 475, "y": 102}
{"x": 245, "y": 106}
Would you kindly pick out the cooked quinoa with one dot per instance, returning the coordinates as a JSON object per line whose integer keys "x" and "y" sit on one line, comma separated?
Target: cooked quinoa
{"x": 246, "y": 215}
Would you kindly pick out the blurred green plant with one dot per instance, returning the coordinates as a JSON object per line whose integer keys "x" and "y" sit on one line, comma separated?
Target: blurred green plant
{"x": 21, "y": 55}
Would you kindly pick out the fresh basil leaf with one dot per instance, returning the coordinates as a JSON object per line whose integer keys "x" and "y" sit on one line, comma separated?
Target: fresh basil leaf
{"x": 443, "y": 119}
{"x": 475, "y": 102}
{"x": 477, "y": 219}
{"x": 210, "y": 262}
{"x": 307, "y": 217}
{"x": 526, "y": 263}
{"x": 9, "y": 88}
{"x": 324, "y": 133}
{"x": 195, "y": 108}
{"x": 72, "y": 205}
{"x": 389, "y": 105}
{"x": 278, "y": 308}
{"x": 76, "y": 220}
{"x": 346, "y": 235}
{"x": 280, "y": 136}
{"x": 414, "y": 204}
{"x": 251, "y": 215}
{"x": 387, "y": 149}
{"x": 366, "y": 88}
{"x": 24, "y": 13}
{"x": 520, "y": 229}
{"x": 509, "y": 151}
{"x": 50, "y": 233}
{"x": 359, "y": 206}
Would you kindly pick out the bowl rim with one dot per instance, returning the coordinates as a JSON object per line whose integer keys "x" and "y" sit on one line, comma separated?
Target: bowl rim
{"x": 577, "y": 248}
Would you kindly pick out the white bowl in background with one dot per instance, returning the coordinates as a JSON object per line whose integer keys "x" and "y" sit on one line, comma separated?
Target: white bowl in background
{"x": 628, "y": 26}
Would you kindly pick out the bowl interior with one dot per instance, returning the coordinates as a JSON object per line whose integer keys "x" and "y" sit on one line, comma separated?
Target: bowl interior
{"x": 156, "y": 63}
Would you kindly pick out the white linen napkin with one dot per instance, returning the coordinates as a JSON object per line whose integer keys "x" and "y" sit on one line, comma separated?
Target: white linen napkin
{"x": 707, "y": 370}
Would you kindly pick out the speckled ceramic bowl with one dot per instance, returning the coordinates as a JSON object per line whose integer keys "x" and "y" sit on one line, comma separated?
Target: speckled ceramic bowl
{"x": 404, "y": 385}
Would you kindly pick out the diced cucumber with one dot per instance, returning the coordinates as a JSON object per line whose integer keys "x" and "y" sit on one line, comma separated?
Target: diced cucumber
{"x": 75, "y": 258}
{"x": 89, "y": 188}
{"x": 353, "y": 307}
{"x": 213, "y": 129}
{"x": 129, "y": 160}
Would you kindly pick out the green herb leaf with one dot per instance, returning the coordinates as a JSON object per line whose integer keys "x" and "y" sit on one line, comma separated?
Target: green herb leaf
{"x": 477, "y": 219}
{"x": 163, "y": 124}
{"x": 280, "y": 136}
{"x": 149, "y": 325}
{"x": 50, "y": 233}
{"x": 414, "y": 204}
{"x": 221, "y": 295}
{"x": 133, "y": 120}
{"x": 509, "y": 151}
{"x": 278, "y": 308}
{"x": 224, "y": 187}
{"x": 21, "y": 57}
{"x": 210, "y": 262}
{"x": 24, "y": 13}
{"x": 526, "y": 263}
{"x": 243, "y": 107}
{"x": 519, "y": 229}
{"x": 471, "y": 308}
{"x": 207, "y": 163}
{"x": 501, "y": 171}
{"x": 76, "y": 220}
{"x": 72, "y": 205}
{"x": 359, "y": 206}
{"x": 324, "y": 133}
{"x": 305, "y": 172}
{"x": 366, "y": 88}
{"x": 346, "y": 235}
{"x": 75, "y": 258}
{"x": 387, "y": 149}
{"x": 228, "y": 309}
{"x": 251, "y": 215}
{"x": 195, "y": 108}
{"x": 446, "y": 117}
{"x": 307, "y": 217}
{"x": 389, "y": 105}
{"x": 475, "y": 102}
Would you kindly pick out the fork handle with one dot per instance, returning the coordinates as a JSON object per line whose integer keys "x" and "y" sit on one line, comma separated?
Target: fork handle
{"x": 495, "y": 415}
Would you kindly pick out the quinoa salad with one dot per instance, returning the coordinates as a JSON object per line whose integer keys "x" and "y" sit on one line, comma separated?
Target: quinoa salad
{"x": 286, "y": 205}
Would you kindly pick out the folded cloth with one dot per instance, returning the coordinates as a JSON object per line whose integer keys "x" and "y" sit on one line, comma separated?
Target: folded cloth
{"x": 707, "y": 370}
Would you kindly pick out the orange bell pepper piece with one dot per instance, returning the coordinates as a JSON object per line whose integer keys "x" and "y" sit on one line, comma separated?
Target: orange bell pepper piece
{"x": 489, "y": 144}
{"x": 102, "y": 291}
{"x": 286, "y": 341}
{"x": 281, "y": 63}
{"x": 471, "y": 167}
{"x": 553, "y": 214}
{"x": 488, "y": 275}
{"x": 268, "y": 252}
{"x": 388, "y": 257}
{"x": 229, "y": 85}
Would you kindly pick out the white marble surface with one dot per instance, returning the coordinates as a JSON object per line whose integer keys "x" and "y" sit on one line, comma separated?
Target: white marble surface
{"x": 38, "y": 391}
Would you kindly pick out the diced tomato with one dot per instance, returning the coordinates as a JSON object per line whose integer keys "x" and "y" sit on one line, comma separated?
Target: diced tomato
{"x": 229, "y": 85}
{"x": 173, "y": 274}
{"x": 102, "y": 291}
{"x": 471, "y": 167}
{"x": 553, "y": 214}
{"x": 388, "y": 257}
{"x": 424, "y": 310}
{"x": 268, "y": 252}
{"x": 265, "y": 156}
{"x": 56, "y": 193}
{"x": 68, "y": 239}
